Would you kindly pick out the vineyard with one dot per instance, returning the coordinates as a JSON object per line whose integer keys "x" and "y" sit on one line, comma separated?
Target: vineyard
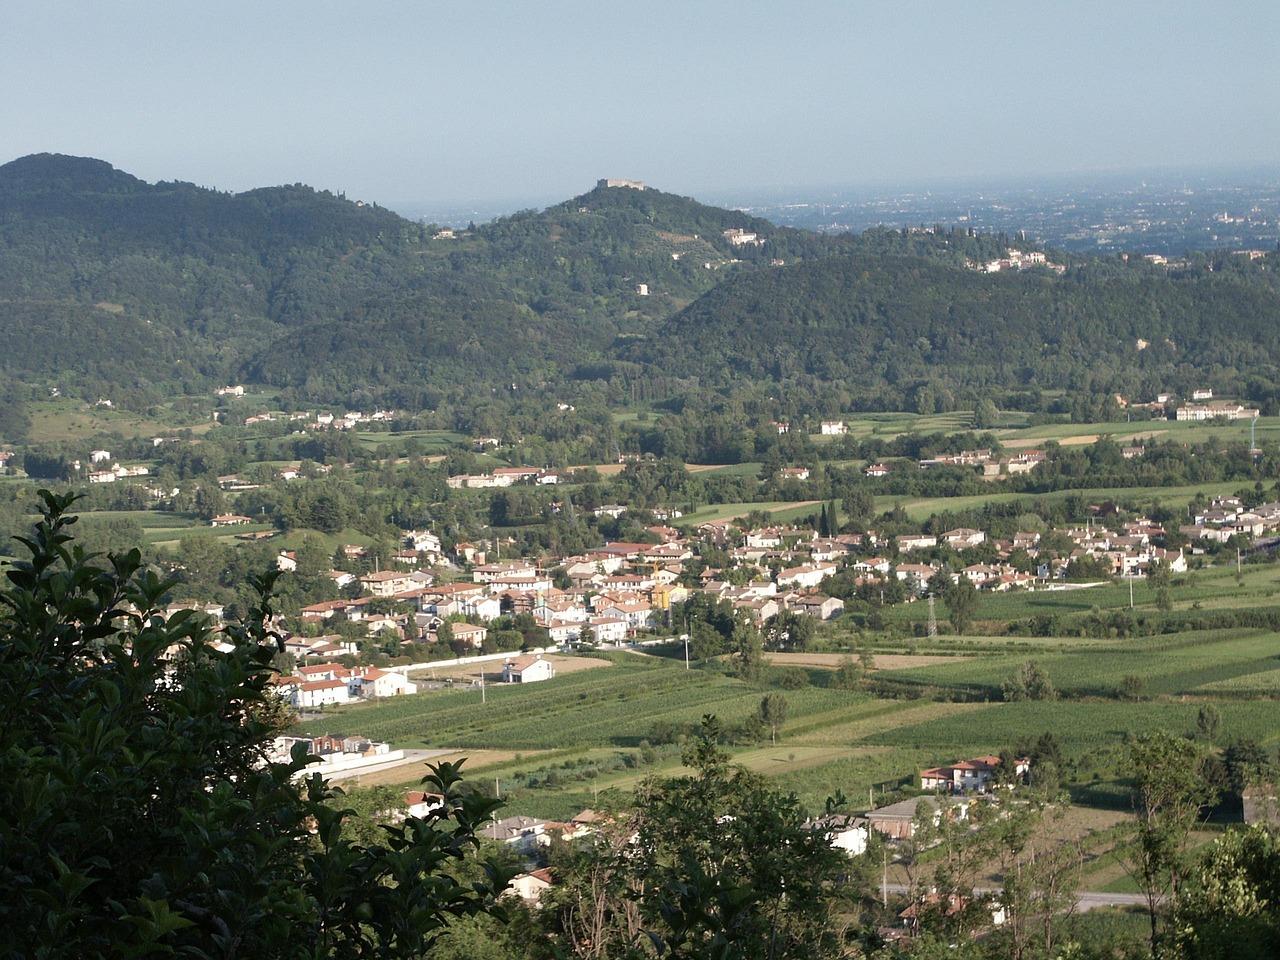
{"x": 633, "y": 700}
{"x": 1168, "y": 664}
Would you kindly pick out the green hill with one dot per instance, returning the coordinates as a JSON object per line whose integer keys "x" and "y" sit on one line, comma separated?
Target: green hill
{"x": 888, "y": 322}
{"x": 111, "y": 286}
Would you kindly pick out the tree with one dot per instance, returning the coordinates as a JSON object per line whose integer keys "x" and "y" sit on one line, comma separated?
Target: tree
{"x": 771, "y": 713}
{"x": 1031, "y": 682}
{"x": 849, "y": 675}
{"x": 1208, "y": 723}
{"x": 985, "y": 414}
{"x": 143, "y": 815}
{"x": 1169, "y": 793}
{"x": 789, "y": 632}
{"x": 444, "y": 634}
{"x": 724, "y": 866}
{"x": 1232, "y": 912}
{"x": 961, "y": 598}
{"x": 1133, "y": 686}
{"x": 748, "y": 651}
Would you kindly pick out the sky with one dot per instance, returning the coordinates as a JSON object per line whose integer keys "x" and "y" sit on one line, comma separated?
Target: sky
{"x": 405, "y": 103}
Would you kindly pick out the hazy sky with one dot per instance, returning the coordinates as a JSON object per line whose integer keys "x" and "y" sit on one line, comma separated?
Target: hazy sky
{"x": 438, "y": 101}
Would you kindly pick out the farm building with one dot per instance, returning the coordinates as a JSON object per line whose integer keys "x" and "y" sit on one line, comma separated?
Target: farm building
{"x": 527, "y": 670}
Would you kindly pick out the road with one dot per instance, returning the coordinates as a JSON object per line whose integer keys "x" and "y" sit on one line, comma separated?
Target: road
{"x": 1086, "y": 900}
{"x": 410, "y": 756}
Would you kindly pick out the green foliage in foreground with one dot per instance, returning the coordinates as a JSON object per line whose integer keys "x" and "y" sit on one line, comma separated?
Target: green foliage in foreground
{"x": 141, "y": 816}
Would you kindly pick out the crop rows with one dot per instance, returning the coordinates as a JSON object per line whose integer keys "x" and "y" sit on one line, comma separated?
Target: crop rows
{"x": 1078, "y": 725}
{"x": 1168, "y": 665}
{"x": 619, "y": 705}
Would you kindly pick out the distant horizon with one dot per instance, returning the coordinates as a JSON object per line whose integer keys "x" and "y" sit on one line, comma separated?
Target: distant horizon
{"x": 453, "y": 212}
{"x": 503, "y": 106}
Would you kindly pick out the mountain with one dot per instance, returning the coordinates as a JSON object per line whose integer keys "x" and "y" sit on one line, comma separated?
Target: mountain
{"x": 112, "y": 286}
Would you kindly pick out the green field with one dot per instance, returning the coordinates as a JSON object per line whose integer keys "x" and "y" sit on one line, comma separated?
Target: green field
{"x": 924, "y": 507}
{"x": 617, "y": 706}
{"x": 1169, "y": 664}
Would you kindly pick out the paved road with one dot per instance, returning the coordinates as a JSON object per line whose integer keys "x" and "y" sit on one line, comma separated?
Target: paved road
{"x": 1086, "y": 900}
{"x": 410, "y": 756}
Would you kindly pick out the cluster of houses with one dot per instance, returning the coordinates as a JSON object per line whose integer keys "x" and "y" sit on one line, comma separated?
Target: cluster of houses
{"x": 993, "y": 465}
{"x": 504, "y": 477}
{"x": 324, "y": 684}
{"x": 614, "y": 591}
{"x": 102, "y": 470}
{"x": 620, "y": 589}
{"x": 1017, "y": 260}
{"x": 1227, "y": 517}
{"x": 1226, "y": 409}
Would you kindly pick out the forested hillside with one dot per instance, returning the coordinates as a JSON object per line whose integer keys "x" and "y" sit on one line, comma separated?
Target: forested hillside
{"x": 903, "y": 330}
{"x": 113, "y": 287}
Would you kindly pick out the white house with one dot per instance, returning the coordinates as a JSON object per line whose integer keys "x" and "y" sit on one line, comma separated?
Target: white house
{"x": 846, "y": 833}
{"x": 372, "y": 682}
{"x": 806, "y": 577}
{"x": 528, "y": 669}
{"x": 318, "y": 693}
{"x": 530, "y": 886}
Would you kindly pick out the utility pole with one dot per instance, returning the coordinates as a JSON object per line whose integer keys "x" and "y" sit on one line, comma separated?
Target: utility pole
{"x": 933, "y": 618}
{"x": 884, "y": 877}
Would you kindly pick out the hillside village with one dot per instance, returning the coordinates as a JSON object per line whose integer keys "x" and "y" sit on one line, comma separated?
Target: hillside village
{"x": 622, "y": 592}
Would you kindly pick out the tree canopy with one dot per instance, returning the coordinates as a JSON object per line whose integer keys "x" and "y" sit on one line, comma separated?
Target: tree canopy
{"x": 144, "y": 814}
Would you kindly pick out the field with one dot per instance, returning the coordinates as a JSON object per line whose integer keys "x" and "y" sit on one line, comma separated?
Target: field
{"x": 922, "y": 508}
{"x": 1169, "y": 665}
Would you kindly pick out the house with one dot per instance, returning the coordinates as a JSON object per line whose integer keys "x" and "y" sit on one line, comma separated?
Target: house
{"x": 818, "y": 605}
{"x": 317, "y": 693}
{"x": 230, "y": 520}
{"x": 528, "y": 669}
{"x": 917, "y": 575}
{"x": 915, "y": 541}
{"x": 637, "y": 615}
{"x": 897, "y": 821}
{"x": 1261, "y": 805}
{"x": 833, "y": 428}
{"x": 846, "y": 833}
{"x": 969, "y": 776}
{"x": 608, "y": 629}
{"x": 530, "y": 886}
{"x": 464, "y": 633}
{"x": 523, "y": 833}
{"x": 387, "y": 583}
{"x": 489, "y": 572}
{"x": 878, "y": 470}
{"x": 962, "y": 538}
{"x": 419, "y": 803}
{"x": 372, "y": 682}
{"x": 806, "y": 577}
{"x": 794, "y": 473}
